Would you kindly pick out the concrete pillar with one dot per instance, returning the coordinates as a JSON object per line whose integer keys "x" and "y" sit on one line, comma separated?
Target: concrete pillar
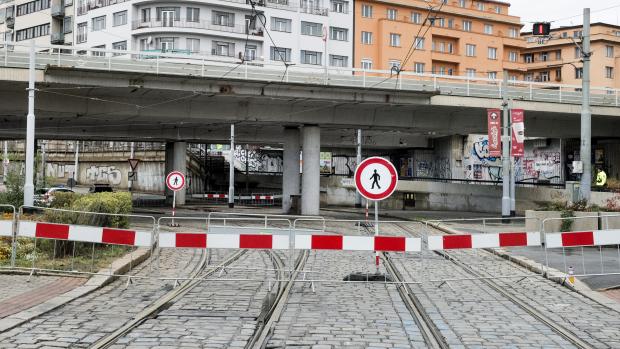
{"x": 176, "y": 160}
{"x": 311, "y": 172}
{"x": 290, "y": 176}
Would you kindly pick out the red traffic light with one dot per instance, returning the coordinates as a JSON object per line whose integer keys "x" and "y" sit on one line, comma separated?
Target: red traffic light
{"x": 542, "y": 29}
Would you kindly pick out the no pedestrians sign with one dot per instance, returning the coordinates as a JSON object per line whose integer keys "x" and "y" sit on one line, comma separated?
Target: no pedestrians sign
{"x": 376, "y": 178}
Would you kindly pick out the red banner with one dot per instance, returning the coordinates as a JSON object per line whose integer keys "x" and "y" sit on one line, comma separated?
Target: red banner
{"x": 518, "y": 132}
{"x": 495, "y": 132}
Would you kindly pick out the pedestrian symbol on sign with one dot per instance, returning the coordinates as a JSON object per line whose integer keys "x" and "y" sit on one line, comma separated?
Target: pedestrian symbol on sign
{"x": 375, "y": 179}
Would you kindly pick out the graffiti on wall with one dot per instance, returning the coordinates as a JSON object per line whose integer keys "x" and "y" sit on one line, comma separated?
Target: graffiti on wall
{"x": 479, "y": 164}
{"x": 432, "y": 168}
{"x": 259, "y": 160}
{"x": 56, "y": 170}
{"x": 103, "y": 174}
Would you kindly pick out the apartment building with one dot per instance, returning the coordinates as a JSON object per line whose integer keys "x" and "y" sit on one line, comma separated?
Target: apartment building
{"x": 460, "y": 37}
{"x": 44, "y": 21}
{"x": 558, "y": 59}
{"x": 225, "y": 29}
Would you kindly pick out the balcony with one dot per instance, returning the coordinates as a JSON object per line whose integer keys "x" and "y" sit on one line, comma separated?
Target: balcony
{"x": 281, "y": 4}
{"x": 314, "y": 11}
{"x": 206, "y": 25}
{"x": 445, "y": 56}
{"x": 10, "y": 22}
{"x": 57, "y": 38}
{"x": 58, "y": 9}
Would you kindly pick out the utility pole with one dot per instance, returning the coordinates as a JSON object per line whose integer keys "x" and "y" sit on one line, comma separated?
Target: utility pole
{"x": 76, "y": 172}
{"x": 5, "y": 163}
{"x": 358, "y": 197}
{"x": 513, "y": 172}
{"x": 586, "y": 114}
{"x": 505, "y": 151}
{"x": 231, "y": 169}
{"x": 131, "y": 156}
{"x": 30, "y": 119}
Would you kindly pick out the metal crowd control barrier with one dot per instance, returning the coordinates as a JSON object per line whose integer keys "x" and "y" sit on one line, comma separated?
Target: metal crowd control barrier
{"x": 7, "y": 230}
{"x": 79, "y": 229}
{"x": 590, "y": 249}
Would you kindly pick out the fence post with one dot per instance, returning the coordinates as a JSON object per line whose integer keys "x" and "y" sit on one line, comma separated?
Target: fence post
{"x": 468, "y": 87}
{"x": 58, "y": 63}
{"x": 400, "y": 82}
{"x": 109, "y": 62}
{"x": 531, "y": 92}
{"x": 616, "y": 98}
{"x": 500, "y": 90}
{"x": 14, "y": 242}
{"x": 202, "y": 68}
{"x": 246, "y": 70}
{"x": 560, "y": 92}
{"x": 364, "y": 84}
{"x": 434, "y": 83}
{"x": 157, "y": 64}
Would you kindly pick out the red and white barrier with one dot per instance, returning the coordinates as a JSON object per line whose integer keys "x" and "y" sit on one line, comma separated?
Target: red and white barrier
{"x": 235, "y": 241}
{"x": 6, "y": 228}
{"x": 262, "y": 197}
{"x": 281, "y": 242}
{"x": 583, "y": 238}
{"x": 449, "y": 242}
{"x": 216, "y": 196}
{"x": 84, "y": 233}
{"x": 358, "y": 243}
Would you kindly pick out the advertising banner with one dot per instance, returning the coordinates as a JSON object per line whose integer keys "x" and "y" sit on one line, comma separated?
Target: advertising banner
{"x": 495, "y": 132}
{"x": 518, "y": 132}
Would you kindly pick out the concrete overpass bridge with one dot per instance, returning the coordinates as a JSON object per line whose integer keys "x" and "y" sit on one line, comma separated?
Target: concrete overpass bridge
{"x": 87, "y": 93}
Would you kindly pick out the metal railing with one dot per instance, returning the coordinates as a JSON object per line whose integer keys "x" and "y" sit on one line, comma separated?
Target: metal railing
{"x": 200, "y": 24}
{"x": 212, "y": 67}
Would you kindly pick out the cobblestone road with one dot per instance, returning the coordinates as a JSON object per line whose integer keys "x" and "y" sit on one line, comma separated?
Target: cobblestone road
{"x": 85, "y": 320}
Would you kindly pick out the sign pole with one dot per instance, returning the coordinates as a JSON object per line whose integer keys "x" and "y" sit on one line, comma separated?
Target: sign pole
{"x": 174, "y": 204}
{"x": 377, "y": 232}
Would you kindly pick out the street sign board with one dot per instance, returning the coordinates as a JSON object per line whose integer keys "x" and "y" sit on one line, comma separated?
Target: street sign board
{"x": 376, "y": 178}
{"x": 132, "y": 176}
{"x": 133, "y": 163}
{"x": 175, "y": 180}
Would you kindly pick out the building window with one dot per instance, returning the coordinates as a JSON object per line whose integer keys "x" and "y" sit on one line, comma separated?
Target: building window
{"x": 451, "y": 23}
{"x": 119, "y": 18}
{"x": 578, "y": 73}
{"x": 311, "y": 28}
{"x": 193, "y": 14}
{"x": 121, "y": 46}
{"x": 391, "y": 14}
{"x": 488, "y": 29}
{"x": 32, "y": 6}
{"x": 558, "y": 74}
{"x": 513, "y": 56}
{"x": 419, "y": 68}
{"x": 609, "y": 51}
{"x": 223, "y": 48}
{"x": 416, "y": 17}
{"x": 98, "y": 23}
{"x": 225, "y": 19}
{"x": 461, "y": 3}
{"x": 492, "y": 53}
{"x": 339, "y": 34}
{"x": 577, "y": 34}
{"x": 193, "y": 45}
{"x": 544, "y": 76}
{"x": 250, "y": 52}
{"x": 394, "y": 40}
{"x": 97, "y": 53}
{"x": 609, "y": 72}
{"x": 310, "y": 57}
{"x": 528, "y": 58}
{"x": 146, "y": 15}
{"x": 338, "y": 61}
{"x": 165, "y": 44}
{"x": 394, "y": 64}
{"x": 67, "y": 24}
{"x": 498, "y": 10}
{"x": 281, "y": 24}
{"x": 578, "y": 53}
{"x": 467, "y": 26}
{"x": 82, "y": 32}
{"x": 470, "y": 50}
{"x": 513, "y": 32}
{"x": 144, "y": 44}
{"x": 480, "y": 5}
{"x": 470, "y": 72}
{"x": 366, "y": 64}
{"x": 32, "y": 32}
{"x": 439, "y": 22}
{"x": 419, "y": 43}
{"x": 367, "y": 38}
{"x": 544, "y": 56}
{"x": 340, "y": 6}
{"x": 492, "y": 75}
{"x": 367, "y": 11}
{"x": 280, "y": 54}
{"x": 558, "y": 55}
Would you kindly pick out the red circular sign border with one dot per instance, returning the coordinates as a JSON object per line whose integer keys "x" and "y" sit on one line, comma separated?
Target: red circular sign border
{"x": 173, "y": 173}
{"x": 358, "y": 173}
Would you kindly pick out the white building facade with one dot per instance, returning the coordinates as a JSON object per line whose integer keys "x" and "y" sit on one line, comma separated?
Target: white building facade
{"x": 44, "y": 21}
{"x": 307, "y": 33}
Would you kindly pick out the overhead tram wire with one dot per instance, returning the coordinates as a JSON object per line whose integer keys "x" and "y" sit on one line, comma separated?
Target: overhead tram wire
{"x": 413, "y": 46}
{"x": 575, "y": 16}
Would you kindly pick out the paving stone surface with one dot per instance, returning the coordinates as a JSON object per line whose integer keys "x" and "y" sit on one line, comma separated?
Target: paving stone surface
{"x": 83, "y": 321}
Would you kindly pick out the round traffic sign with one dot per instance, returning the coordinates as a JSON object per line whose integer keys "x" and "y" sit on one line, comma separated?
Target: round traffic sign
{"x": 376, "y": 178}
{"x": 175, "y": 180}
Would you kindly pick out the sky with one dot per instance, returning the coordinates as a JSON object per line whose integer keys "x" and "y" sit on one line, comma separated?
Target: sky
{"x": 558, "y": 11}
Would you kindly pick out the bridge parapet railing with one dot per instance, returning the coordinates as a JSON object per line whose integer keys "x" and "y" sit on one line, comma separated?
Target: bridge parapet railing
{"x": 15, "y": 54}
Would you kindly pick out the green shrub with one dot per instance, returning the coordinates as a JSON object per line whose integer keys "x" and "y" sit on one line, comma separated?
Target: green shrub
{"x": 111, "y": 203}
{"x": 14, "y": 194}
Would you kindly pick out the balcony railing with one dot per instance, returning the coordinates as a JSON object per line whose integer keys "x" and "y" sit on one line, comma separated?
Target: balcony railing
{"x": 58, "y": 9}
{"x": 10, "y": 22}
{"x": 314, "y": 11}
{"x": 207, "y": 25}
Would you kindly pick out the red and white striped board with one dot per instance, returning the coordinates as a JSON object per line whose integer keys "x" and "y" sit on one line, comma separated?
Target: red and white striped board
{"x": 216, "y": 196}
{"x": 6, "y": 228}
{"x": 358, "y": 243}
{"x": 450, "y": 242}
{"x": 281, "y": 242}
{"x": 583, "y": 238}
{"x": 262, "y": 197}
{"x": 83, "y": 233}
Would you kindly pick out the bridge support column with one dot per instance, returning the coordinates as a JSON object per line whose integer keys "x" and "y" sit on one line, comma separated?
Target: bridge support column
{"x": 311, "y": 172}
{"x": 290, "y": 175}
{"x": 176, "y": 160}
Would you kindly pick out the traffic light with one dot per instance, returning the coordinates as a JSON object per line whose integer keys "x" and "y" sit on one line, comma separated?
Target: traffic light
{"x": 541, "y": 29}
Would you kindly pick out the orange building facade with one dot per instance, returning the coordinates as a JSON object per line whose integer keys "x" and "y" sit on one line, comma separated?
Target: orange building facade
{"x": 466, "y": 38}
